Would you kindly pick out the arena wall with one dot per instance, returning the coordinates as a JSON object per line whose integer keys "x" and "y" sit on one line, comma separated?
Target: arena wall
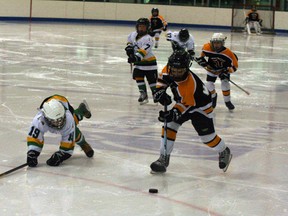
{"x": 74, "y": 10}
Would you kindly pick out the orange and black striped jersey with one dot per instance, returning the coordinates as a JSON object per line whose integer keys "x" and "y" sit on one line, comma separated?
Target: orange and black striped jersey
{"x": 157, "y": 22}
{"x": 188, "y": 94}
{"x": 221, "y": 59}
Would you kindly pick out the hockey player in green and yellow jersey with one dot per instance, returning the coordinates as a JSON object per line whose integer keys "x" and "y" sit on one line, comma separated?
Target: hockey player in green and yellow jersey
{"x": 139, "y": 52}
{"x": 57, "y": 116}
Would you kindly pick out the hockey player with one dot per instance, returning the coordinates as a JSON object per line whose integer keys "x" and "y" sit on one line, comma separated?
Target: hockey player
{"x": 193, "y": 102}
{"x": 221, "y": 62}
{"x": 253, "y": 20}
{"x": 56, "y": 115}
{"x": 158, "y": 23}
{"x": 139, "y": 52}
{"x": 182, "y": 40}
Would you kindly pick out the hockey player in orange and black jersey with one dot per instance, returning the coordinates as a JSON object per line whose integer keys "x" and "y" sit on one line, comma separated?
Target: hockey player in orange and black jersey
{"x": 221, "y": 62}
{"x": 193, "y": 102}
{"x": 158, "y": 23}
{"x": 57, "y": 116}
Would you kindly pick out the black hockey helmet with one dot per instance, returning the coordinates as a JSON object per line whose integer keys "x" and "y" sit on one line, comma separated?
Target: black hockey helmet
{"x": 184, "y": 35}
{"x": 178, "y": 65}
{"x": 155, "y": 10}
{"x": 145, "y": 22}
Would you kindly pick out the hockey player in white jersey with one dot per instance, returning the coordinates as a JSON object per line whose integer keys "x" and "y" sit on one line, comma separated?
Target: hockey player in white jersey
{"x": 57, "y": 116}
{"x": 139, "y": 52}
{"x": 182, "y": 40}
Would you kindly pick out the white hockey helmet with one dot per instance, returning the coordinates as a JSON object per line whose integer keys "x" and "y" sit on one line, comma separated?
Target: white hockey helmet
{"x": 54, "y": 113}
{"x": 219, "y": 38}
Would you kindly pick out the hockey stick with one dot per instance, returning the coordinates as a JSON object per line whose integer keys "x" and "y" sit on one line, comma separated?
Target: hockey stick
{"x": 14, "y": 169}
{"x": 248, "y": 93}
{"x": 165, "y": 131}
{"x": 131, "y": 68}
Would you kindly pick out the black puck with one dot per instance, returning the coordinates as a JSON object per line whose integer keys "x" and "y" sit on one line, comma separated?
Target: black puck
{"x": 153, "y": 190}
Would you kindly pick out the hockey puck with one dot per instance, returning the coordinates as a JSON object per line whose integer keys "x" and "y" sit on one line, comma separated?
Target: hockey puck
{"x": 153, "y": 190}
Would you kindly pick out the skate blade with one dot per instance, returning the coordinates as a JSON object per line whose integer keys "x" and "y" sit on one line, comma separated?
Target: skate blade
{"x": 144, "y": 102}
{"x": 156, "y": 173}
{"x": 230, "y": 158}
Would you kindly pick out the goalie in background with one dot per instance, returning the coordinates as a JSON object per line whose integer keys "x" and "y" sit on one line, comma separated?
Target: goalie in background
{"x": 57, "y": 116}
{"x": 182, "y": 40}
{"x": 253, "y": 21}
{"x": 221, "y": 62}
{"x": 158, "y": 23}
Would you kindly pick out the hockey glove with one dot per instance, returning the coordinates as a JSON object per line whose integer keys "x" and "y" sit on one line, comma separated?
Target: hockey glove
{"x": 224, "y": 75}
{"x": 201, "y": 61}
{"x": 57, "y": 158}
{"x": 192, "y": 54}
{"x": 129, "y": 50}
{"x": 134, "y": 58}
{"x": 260, "y": 22}
{"x": 162, "y": 97}
{"x": 165, "y": 28}
{"x": 169, "y": 116}
{"x": 32, "y": 156}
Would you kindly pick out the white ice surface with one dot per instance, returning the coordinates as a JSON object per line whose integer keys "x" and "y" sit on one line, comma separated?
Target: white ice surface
{"x": 89, "y": 61}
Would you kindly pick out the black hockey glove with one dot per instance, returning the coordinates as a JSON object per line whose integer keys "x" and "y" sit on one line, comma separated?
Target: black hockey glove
{"x": 129, "y": 50}
{"x": 169, "y": 116}
{"x": 165, "y": 28}
{"x": 246, "y": 20}
{"x": 201, "y": 61}
{"x": 192, "y": 54}
{"x": 224, "y": 75}
{"x": 32, "y": 156}
{"x": 260, "y": 22}
{"x": 57, "y": 158}
{"x": 162, "y": 97}
{"x": 134, "y": 58}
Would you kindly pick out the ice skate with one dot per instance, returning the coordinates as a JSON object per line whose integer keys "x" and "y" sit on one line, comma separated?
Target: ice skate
{"x": 224, "y": 159}
{"x": 214, "y": 101}
{"x": 84, "y": 108}
{"x": 87, "y": 149}
{"x": 160, "y": 165}
{"x": 229, "y": 105}
{"x": 143, "y": 98}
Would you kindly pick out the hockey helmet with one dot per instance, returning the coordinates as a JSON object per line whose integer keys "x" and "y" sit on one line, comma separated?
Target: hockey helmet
{"x": 218, "y": 41}
{"x": 142, "y": 22}
{"x": 54, "y": 113}
{"x": 155, "y": 12}
{"x": 178, "y": 65}
{"x": 184, "y": 35}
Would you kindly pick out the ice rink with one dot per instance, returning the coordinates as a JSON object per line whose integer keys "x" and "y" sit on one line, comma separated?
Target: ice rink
{"x": 88, "y": 61}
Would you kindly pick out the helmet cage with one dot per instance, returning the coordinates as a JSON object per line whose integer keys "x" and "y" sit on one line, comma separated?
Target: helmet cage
{"x": 58, "y": 123}
{"x": 155, "y": 11}
{"x": 178, "y": 65}
{"x": 184, "y": 35}
{"x": 54, "y": 113}
{"x": 145, "y": 22}
{"x": 218, "y": 41}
